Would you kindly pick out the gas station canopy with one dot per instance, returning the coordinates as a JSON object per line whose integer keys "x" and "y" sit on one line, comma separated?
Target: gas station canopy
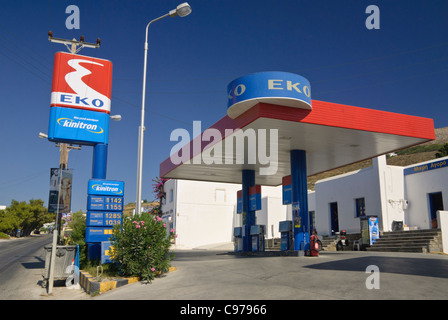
{"x": 333, "y": 135}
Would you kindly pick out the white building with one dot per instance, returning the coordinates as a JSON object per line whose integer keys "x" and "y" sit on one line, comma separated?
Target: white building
{"x": 204, "y": 213}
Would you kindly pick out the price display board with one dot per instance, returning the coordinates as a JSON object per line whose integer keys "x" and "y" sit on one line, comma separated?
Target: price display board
{"x": 104, "y": 203}
{"x": 104, "y": 210}
{"x": 99, "y": 218}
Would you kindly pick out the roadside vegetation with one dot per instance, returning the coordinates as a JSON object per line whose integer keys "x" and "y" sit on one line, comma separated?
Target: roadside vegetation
{"x": 140, "y": 246}
{"x": 23, "y": 216}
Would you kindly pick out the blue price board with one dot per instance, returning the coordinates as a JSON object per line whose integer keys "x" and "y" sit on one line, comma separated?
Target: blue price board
{"x": 104, "y": 203}
{"x": 98, "y": 234}
{"x": 103, "y": 219}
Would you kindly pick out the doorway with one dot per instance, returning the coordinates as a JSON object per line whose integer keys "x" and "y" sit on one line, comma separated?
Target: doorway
{"x": 334, "y": 217}
{"x": 435, "y": 204}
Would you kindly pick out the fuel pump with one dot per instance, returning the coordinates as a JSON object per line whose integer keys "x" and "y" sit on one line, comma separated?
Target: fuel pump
{"x": 238, "y": 234}
{"x": 257, "y": 234}
{"x": 285, "y": 228}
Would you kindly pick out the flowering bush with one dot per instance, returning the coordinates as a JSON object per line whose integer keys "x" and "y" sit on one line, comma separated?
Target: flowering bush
{"x": 157, "y": 189}
{"x": 141, "y": 246}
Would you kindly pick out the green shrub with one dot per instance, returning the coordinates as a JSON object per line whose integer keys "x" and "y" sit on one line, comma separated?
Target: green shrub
{"x": 3, "y": 236}
{"x": 141, "y": 246}
{"x": 78, "y": 236}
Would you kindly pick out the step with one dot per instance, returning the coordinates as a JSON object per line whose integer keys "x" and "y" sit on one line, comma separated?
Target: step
{"x": 407, "y": 241}
{"x": 397, "y": 249}
{"x": 411, "y": 233}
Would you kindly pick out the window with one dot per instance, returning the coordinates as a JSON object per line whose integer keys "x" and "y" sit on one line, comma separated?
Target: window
{"x": 360, "y": 207}
{"x": 171, "y": 195}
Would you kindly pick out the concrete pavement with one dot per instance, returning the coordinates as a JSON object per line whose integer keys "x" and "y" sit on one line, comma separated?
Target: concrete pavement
{"x": 215, "y": 275}
{"x": 211, "y": 274}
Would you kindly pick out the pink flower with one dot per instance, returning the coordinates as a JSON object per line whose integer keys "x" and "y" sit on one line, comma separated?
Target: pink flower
{"x": 159, "y": 219}
{"x": 152, "y": 269}
{"x": 175, "y": 236}
{"x": 137, "y": 226}
{"x": 164, "y": 225}
{"x": 172, "y": 230}
{"x": 142, "y": 222}
{"x": 149, "y": 247}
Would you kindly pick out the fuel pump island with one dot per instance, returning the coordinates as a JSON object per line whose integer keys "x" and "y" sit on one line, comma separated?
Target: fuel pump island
{"x": 307, "y": 137}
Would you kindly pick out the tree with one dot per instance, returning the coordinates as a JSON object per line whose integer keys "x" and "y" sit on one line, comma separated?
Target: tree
{"x": 443, "y": 151}
{"x": 25, "y": 216}
{"x": 78, "y": 236}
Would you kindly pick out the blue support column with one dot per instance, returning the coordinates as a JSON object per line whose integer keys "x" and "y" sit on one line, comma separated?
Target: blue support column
{"x": 248, "y": 181}
{"x": 299, "y": 192}
{"x": 99, "y": 167}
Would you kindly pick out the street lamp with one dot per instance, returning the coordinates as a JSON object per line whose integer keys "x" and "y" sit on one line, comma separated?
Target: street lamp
{"x": 181, "y": 10}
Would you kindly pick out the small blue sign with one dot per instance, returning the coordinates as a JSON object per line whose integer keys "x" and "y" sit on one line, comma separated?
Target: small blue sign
{"x": 280, "y": 88}
{"x": 98, "y": 234}
{"x": 103, "y": 219}
{"x": 104, "y": 203}
{"x": 287, "y": 195}
{"x": 255, "y": 202}
{"x": 105, "y": 187}
{"x": 239, "y": 204}
{"x": 78, "y": 126}
{"x": 106, "y": 252}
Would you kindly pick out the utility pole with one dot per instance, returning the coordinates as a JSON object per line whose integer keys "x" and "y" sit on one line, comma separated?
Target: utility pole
{"x": 72, "y": 46}
{"x": 64, "y": 148}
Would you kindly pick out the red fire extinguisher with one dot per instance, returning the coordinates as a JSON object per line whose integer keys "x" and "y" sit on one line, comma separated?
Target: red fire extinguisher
{"x": 314, "y": 244}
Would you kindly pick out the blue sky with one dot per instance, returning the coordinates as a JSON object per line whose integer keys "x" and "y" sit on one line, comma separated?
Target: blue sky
{"x": 402, "y": 67}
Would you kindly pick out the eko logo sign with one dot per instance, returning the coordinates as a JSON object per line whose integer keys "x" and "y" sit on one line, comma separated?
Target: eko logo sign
{"x": 80, "y": 99}
{"x": 280, "y": 88}
{"x": 81, "y": 82}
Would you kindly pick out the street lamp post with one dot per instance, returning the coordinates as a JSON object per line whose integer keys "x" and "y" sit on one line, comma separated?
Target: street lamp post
{"x": 182, "y": 10}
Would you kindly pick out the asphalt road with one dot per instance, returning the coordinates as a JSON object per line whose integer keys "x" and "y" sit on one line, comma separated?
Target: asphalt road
{"x": 21, "y": 263}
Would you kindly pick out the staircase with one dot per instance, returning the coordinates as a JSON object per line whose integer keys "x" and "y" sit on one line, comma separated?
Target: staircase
{"x": 329, "y": 244}
{"x": 429, "y": 240}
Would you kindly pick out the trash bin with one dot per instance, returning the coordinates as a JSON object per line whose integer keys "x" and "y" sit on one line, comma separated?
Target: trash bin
{"x": 65, "y": 256}
{"x": 397, "y": 225}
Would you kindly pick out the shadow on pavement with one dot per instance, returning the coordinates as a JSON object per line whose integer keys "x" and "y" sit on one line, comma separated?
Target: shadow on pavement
{"x": 409, "y": 266}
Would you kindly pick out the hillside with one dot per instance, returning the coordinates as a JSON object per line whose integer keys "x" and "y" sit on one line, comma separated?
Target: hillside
{"x": 129, "y": 208}
{"x": 423, "y": 152}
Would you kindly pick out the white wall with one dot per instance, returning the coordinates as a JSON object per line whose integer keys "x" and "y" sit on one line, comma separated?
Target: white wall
{"x": 417, "y": 188}
{"x": 344, "y": 189}
{"x": 391, "y": 193}
{"x": 203, "y": 211}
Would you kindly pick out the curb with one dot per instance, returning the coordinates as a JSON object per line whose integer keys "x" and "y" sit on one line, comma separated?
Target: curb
{"x": 94, "y": 287}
